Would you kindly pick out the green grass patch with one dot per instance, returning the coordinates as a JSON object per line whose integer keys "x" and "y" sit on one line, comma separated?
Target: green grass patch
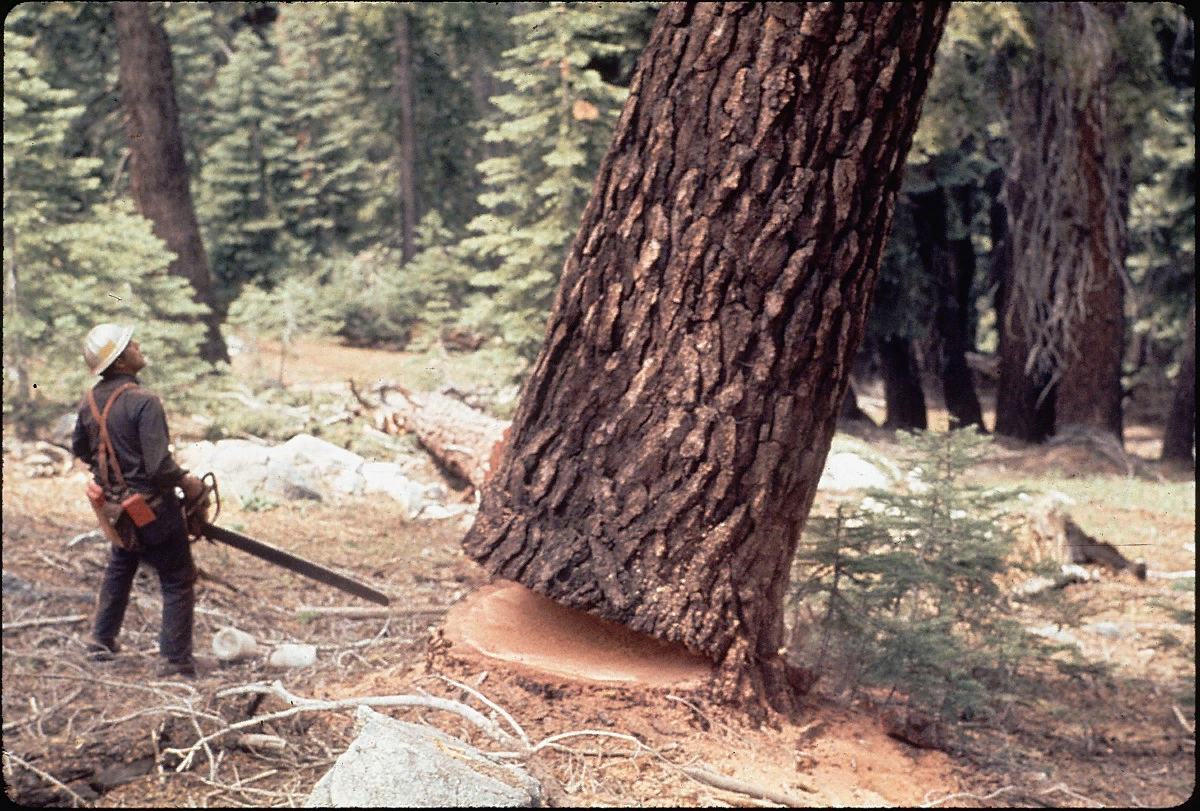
{"x": 1174, "y": 499}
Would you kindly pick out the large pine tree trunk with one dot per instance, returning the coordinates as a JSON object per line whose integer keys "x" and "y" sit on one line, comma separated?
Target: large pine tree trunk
{"x": 1022, "y": 412}
{"x": 158, "y": 171}
{"x": 669, "y": 439}
{"x": 1089, "y": 394}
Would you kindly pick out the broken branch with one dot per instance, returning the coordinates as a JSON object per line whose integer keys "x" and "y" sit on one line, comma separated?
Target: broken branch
{"x": 741, "y": 787}
{"x": 34, "y": 623}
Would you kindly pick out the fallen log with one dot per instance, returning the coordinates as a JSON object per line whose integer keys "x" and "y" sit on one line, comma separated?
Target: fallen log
{"x": 466, "y": 441}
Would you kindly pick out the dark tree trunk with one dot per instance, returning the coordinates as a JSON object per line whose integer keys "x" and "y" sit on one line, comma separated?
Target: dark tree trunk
{"x": 158, "y": 171}
{"x": 1019, "y": 412}
{"x": 1089, "y": 394}
{"x": 405, "y": 161}
{"x": 707, "y": 316}
{"x": 1062, "y": 326}
{"x": 1023, "y": 410}
{"x": 851, "y": 411}
{"x": 902, "y": 386}
{"x": 951, "y": 265}
{"x": 1179, "y": 436}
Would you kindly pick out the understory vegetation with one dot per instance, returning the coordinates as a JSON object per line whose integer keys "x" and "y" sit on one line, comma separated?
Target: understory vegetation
{"x": 909, "y": 590}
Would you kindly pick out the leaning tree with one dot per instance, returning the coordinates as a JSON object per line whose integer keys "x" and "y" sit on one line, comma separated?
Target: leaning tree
{"x": 668, "y": 442}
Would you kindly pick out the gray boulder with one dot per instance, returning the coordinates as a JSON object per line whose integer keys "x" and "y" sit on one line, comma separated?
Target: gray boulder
{"x": 394, "y": 764}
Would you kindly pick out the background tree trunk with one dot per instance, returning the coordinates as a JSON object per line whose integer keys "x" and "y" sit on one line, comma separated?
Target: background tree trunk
{"x": 1062, "y": 326}
{"x": 851, "y": 411}
{"x": 158, "y": 171}
{"x": 405, "y": 162}
{"x": 951, "y": 265}
{"x": 902, "y": 386}
{"x": 701, "y": 339}
{"x": 1089, "y": 393}
{"x": 1020, "y": 413}
{"x": 1179, "y": 436}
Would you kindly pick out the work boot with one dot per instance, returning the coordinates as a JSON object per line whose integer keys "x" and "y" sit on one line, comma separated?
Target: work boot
{"x": 169, "y": 669}
{"x": 102, "y": 650}
{"x": 188, "y": 668}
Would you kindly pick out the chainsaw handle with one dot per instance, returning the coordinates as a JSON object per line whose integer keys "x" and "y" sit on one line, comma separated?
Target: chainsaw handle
{"x": 209, "y": 480}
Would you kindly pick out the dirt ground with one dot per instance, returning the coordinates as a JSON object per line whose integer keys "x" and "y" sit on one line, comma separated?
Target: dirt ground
{"x": 109, "y": 735}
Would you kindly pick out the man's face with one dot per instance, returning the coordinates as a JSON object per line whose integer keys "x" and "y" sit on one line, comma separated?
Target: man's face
{"x": 131, "y": 360}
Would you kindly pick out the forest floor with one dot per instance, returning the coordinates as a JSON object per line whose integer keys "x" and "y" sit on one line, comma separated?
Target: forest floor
{"x": 109, "y": 735}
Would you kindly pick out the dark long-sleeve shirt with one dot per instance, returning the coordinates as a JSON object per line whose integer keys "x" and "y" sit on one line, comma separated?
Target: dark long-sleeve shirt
{"x": 137, "y": 428}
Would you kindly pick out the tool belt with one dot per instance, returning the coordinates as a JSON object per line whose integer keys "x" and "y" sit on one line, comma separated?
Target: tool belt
{"x": 119, "y": 510}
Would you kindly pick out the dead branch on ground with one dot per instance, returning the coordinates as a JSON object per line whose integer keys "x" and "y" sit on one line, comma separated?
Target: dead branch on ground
{"x": 741, "y": 787}
{"x": 34, "y": 623}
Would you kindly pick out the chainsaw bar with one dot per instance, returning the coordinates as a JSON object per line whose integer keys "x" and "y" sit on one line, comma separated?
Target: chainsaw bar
{"x": 293, "y": 563}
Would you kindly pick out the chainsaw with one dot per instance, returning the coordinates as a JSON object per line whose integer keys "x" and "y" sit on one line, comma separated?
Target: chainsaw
{"x": 200, "y": 526}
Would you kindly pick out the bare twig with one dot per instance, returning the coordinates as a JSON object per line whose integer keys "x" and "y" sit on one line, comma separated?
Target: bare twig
{"x": 554, "y": 739}
{"x": 11, "y": 725}
{"x": 964, "y": 795}
{"x": 300, "y": 704}
{"x": 1065, "y": 789}
{"x": 1191, "y": 728}
{"x": 517, "y": 727}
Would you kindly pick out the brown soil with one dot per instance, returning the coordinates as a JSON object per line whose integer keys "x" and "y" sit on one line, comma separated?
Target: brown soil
{"x": 106, "y": 730}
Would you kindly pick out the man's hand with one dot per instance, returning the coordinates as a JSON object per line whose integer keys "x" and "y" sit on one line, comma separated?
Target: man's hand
{"x": 192, "y": 487}
{"x": 197, "y": 502}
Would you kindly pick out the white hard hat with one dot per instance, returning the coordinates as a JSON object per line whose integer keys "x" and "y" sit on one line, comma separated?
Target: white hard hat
{"x": 104, "y": 344}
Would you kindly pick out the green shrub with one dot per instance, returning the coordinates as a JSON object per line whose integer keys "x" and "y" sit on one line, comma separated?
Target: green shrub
{"x": 905, "y": 592}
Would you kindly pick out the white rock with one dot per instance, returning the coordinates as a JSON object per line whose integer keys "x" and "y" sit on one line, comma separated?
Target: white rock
{"x": 848, "y": 471}
{"x": 291, "y": 655}
{"x": 239, "y": 465}
{"x": 394, "y": 764}
{"x": 337, "y": 467}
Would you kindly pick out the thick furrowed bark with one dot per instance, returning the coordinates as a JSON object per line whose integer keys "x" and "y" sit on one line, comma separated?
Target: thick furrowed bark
{"x": 669, "y": 440}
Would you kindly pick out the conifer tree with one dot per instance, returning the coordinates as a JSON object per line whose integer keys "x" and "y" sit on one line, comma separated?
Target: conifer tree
{"x": 331, "y": 194}
{"x": 70, "y": 264}
{"x": 554, "y": 129}
{"x": 908, "y": 588}
{"x": 249, "y": 174}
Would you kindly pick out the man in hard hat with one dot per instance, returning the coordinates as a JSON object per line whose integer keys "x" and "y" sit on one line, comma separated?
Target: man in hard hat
{"x": 121, "y": 433}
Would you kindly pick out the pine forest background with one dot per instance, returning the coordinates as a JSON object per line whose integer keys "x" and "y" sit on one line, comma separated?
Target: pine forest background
{"x": 397, "y": 174}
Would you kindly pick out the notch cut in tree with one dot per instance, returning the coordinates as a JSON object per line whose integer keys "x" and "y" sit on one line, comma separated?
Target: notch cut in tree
{"x": 668, "y": 442}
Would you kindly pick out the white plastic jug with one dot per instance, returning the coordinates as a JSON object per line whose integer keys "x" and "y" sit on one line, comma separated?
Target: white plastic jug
{"x": 230, "y": 645}
{"x": 289, "y": 655}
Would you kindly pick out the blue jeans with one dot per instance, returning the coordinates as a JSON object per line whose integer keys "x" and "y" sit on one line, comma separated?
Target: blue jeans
{"x": 164, "y": 545}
